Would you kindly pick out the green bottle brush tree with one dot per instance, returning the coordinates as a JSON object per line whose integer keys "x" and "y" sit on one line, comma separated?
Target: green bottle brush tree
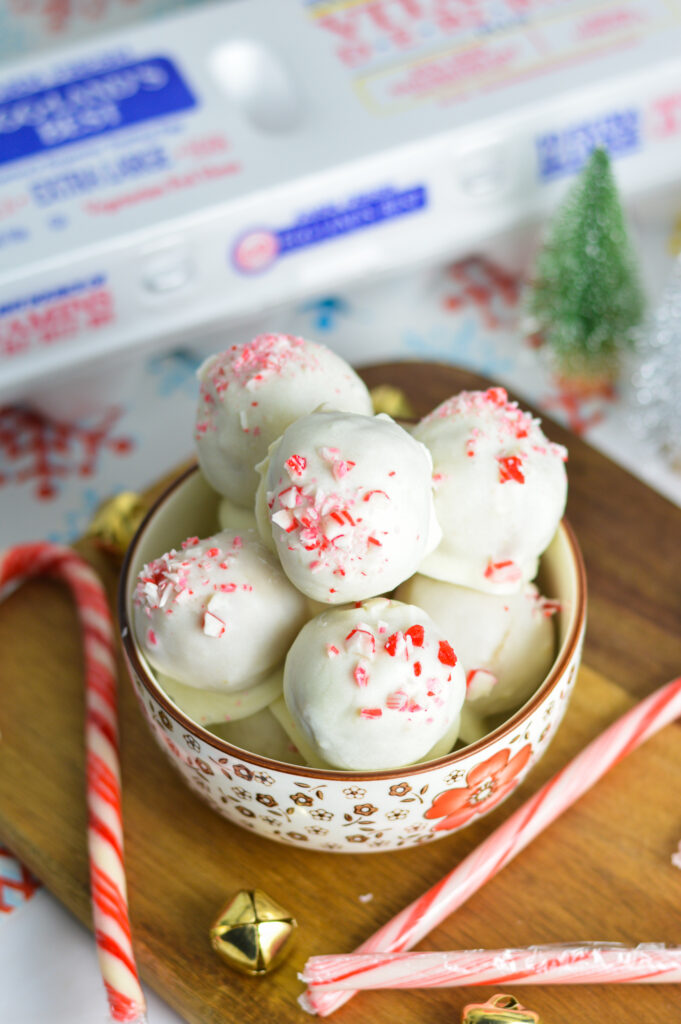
{"x": 586, "y": 297}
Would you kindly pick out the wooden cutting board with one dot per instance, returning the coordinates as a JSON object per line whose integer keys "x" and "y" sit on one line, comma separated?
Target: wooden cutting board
{"x": 601, "y": 872}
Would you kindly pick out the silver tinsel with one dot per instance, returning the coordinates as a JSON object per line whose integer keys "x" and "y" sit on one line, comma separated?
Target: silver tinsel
{"x": 656, "y": 378}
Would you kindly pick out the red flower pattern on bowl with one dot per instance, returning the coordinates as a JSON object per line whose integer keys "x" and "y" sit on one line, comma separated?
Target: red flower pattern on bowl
{"x": 487, "y": 784}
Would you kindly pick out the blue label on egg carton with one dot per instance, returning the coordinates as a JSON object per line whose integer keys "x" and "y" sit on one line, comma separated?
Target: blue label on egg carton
{"x": 257, "y": 249}
{"x": 53, "y": 315}
{"x": 96, "y": 105}
{"x": 565, "y": 152}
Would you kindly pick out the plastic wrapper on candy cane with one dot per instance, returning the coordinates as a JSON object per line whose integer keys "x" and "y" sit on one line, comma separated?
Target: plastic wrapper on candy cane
{"x": 105, "y": 827}
{"x": 409, "y": 926}
{"x": 587, "y": 964}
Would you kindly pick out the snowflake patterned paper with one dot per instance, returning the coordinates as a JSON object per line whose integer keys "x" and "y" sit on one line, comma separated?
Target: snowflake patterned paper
{"x": 17, "y": 884}
{"x": 43, "y": 452}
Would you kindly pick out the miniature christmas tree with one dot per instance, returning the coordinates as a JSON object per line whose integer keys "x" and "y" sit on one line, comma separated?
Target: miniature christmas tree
{"x": 586, "y": 296}
{"x": 656, "y": 383}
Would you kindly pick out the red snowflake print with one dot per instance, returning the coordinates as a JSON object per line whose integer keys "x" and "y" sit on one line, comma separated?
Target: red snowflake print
{"x": 33, "y": 448}
{"x": 486, "y": 286}
{"x": 486, "y": 785}
{"x": 17, "y": 885}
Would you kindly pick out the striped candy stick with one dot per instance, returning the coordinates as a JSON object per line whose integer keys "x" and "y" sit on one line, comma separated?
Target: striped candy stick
{"x": 420, "y": 917}
{"x": 584, "y": 964}
{"x": 105, "y": 827}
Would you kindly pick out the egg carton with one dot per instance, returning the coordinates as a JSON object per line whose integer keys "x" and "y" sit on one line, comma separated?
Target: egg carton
{"x": 187, "y": 173}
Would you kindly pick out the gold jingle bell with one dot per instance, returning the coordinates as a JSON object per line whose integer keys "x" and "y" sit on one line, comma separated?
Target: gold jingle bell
{"x": 115, "y": 522}
{"x": 393, "y": 401}
{"x": 253, "y": 932}
{"x": 500, "y": 1009}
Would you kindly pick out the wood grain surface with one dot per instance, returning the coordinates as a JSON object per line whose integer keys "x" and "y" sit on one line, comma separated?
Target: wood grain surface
{"x": 602, "y": 872}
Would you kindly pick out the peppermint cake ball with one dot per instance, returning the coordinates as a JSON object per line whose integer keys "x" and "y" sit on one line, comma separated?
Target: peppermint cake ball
{"x": 506, "y": 643}
{"x": 250, "y": 393}
{"x": 219, "y": 614}
{"x": 374, "y": 686}
{"x": 235, "y": 517}
{"x": 207, "y": 707}
{"x": 348, "y": 501}
{"x": 500, "y": 490}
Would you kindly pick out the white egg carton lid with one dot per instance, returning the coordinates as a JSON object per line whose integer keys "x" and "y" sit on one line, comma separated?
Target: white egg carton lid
{"x": 192, "y": 171}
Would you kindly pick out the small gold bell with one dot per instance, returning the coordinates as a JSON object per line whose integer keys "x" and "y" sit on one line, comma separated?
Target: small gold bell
{"x": 114, "y": 523}
{"x": 393, "y": 401}
{"x": 253, "y": 933}
{"x": 500, "y": 1009}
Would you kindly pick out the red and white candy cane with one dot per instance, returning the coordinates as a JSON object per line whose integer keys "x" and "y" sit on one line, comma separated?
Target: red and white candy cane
{"x": 105, "y": 826}
{"x": 420, "y": 917}
{"x": 540, "y": 965}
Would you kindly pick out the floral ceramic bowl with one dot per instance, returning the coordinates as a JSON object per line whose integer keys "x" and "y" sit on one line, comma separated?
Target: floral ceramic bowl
{"x": 349, "y": 811}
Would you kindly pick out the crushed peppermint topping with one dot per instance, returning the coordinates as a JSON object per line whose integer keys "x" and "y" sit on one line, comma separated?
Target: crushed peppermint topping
{"x": 510, "y": 468}
{"x": 501, "y": 422}
{"x": 213, "y": 625}
{"x": 166, "y": 580}
{"x": 416, "y": 633}
{"x": 324, "y": 524}
{"x": 257, "y": 361}
{"x": 249, "y": 366}
{"x": 339, "y": 467}
{"x": 479, "y": 683}
{"x": 285, "y": 519}
{"x": 370, "y": 712}
{"x": 396, "y": 645}
{"x": 502, "y": 572}
{"x": 446, "y": 654}
{"x": 361, "y": 640}
{"x": 397, "y": 700}
{"x": 361, "y": 676}
{"x": 296, "y": 466}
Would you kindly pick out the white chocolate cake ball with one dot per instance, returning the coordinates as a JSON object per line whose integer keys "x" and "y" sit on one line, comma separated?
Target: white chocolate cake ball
{"x": 349, "y": 500}
{"x": 506, "y": 643}
{"x": 206, "y": 707}
{"x": 260, "y": 733}
{"x": 374, "y": 686}
{"x": 250, "y": 393}
{"x": 500, "y": 491}
{"x": 235, "y": 517}
{"x": 219, "y": 614}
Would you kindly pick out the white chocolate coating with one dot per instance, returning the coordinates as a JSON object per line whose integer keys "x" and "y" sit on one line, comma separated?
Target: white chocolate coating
{"x": 208, "y": 707}
{"x": 219, "y": 614}
{"x": 373, "y": 687}
{"x": 235, "y": 517}
{"x": 500, "y": 491}
{"x": 506, "y": 643}
{"x": 250, "y": 393}
{"x": 260, "y": 733}
{"x": 349, "y": 503}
